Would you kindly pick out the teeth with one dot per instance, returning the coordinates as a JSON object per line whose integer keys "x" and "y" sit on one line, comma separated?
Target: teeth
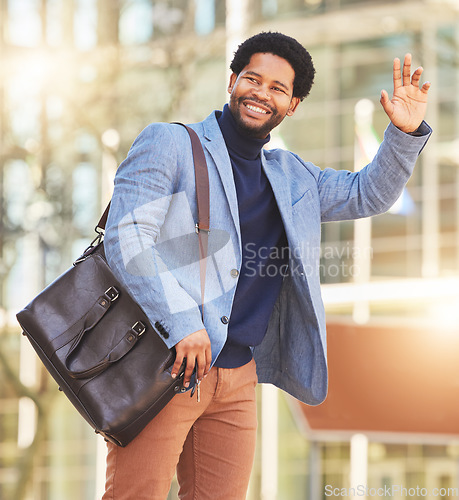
{"x": 256, "y": 109}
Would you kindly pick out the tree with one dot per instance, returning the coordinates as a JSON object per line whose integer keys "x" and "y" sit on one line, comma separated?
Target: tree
{"x": 111, "y": 94}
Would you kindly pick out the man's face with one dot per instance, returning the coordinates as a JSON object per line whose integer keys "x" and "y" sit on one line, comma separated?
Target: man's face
{"x": 262, "y": 94}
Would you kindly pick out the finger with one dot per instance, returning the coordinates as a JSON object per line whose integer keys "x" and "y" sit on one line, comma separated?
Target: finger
{"x": 397, "y": 74}
{"x": 208, "y": 360}
{"x": 407, "y": 70}
{"x": 385, "y": 102}
{"x": 177, "y": 364}
{"x": 416, "y": 77}
{"x": 200, "y": 366}
{"x": 425, "y": 88}
{"x": 190, "y": 362}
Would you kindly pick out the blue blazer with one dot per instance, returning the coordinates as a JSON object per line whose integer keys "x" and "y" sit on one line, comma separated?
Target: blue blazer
{"x": 151, "y": 243}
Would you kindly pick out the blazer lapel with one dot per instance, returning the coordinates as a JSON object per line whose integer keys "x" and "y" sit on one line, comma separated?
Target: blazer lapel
{"x": 280, "y": 187}
{"x": 216, "y": 147}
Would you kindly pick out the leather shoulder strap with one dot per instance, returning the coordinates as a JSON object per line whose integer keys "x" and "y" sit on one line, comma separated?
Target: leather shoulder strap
{"x": 203, "y": 202}
{"x": 202, "y": 180}
{"x": 103, "y": 219}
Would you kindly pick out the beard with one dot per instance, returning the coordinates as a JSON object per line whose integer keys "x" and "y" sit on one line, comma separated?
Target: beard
{"x": 255, "y": 131}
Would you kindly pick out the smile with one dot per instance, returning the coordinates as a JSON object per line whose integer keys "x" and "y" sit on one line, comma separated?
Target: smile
{"x": 256, "y": 109}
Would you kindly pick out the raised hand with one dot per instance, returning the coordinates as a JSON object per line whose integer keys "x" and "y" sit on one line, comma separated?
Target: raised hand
{"x": 407, "y": 107}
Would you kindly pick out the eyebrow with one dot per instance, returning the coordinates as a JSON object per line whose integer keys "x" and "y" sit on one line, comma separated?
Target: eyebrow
{"x": 277, "y": 82}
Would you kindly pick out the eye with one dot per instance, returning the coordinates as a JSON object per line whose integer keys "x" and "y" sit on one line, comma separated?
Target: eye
{"x": 251, "y": 79}
{"x": 278, "y": 89}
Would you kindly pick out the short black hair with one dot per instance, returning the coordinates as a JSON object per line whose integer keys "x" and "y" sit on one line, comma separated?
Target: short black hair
{"x": 283, "y": 46}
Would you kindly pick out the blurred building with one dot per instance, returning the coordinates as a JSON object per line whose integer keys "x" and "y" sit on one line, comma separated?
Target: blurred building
{"x": 81, "y": 78}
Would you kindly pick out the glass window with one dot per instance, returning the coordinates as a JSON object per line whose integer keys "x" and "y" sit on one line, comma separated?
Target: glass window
{"x": 136, "y": 22}
{"x": 85, "y": 24}
{"x": 24, "y": 23}
{"x": 204, "y": 19}
{"x": 54, "y": 18}
{"x": 85, "y": 191}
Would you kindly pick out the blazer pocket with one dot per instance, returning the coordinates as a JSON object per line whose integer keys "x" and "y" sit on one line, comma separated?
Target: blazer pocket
{"x": 308, "y": 202}
{"x": 306, "y": 218}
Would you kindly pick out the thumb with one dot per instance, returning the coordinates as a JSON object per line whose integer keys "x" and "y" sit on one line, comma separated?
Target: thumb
{"x": 386, "y": 103}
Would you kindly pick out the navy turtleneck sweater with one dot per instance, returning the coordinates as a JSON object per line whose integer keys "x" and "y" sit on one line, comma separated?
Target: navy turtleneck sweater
{"x": 263, "y": 241}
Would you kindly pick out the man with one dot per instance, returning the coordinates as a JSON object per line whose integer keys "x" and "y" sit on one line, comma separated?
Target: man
{"x": 263, "y": 312}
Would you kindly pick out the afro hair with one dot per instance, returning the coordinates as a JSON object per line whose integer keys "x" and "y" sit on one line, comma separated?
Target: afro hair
{"x": 283, "y": 46}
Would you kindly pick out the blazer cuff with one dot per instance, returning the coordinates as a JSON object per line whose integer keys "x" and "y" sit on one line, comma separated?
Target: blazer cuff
{"x": 408, "y": 143}
{"x": 423, "y": 129}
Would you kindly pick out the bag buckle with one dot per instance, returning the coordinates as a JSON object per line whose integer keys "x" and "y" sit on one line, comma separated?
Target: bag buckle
{"x": 92, "y": 245}
{"x": 197, "y": 228}
{"x": 139, "y": 328}
{"x": 112, "y": 293}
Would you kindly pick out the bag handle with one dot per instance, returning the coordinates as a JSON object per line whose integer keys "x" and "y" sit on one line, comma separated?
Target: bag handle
{"x": 93, "y": 316}
{"x": 101, "y": 306}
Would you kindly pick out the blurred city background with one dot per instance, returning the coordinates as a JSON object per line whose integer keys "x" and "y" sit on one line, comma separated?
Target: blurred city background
{"x": 79, "y": 79}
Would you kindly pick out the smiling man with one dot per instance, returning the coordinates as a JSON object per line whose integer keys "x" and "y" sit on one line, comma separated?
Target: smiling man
{"x": 259, "y": 101}
{"x": 264, "y": 317}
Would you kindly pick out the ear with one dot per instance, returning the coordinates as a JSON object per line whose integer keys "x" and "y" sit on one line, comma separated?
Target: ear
{"x": 293, "y": 105}
{"x": 232, "y": 81}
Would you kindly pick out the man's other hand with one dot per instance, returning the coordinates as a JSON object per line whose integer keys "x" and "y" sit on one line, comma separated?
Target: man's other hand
{"x": 408, "y": 105}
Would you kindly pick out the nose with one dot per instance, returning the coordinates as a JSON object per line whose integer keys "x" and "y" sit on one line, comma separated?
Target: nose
{"x": 262, "y": 93}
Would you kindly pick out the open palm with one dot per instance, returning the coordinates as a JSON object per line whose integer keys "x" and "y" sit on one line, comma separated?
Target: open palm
{"x": 407, "y": 107}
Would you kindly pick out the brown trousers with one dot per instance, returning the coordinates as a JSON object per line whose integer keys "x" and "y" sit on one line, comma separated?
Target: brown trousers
{"x": 210, "y": 444}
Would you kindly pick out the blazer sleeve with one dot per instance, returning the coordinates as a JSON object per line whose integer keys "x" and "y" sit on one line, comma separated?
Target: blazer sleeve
{"x": 145, "y": 189}
{"x": 373, "y": 190}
